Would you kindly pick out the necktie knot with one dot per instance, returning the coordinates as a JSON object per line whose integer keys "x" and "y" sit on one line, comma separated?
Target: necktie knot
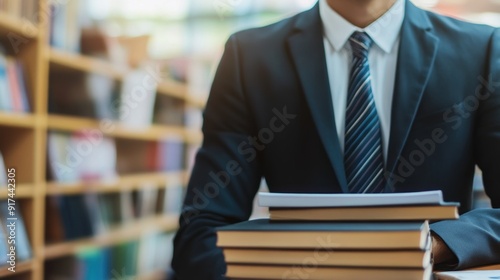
{"x": 360, "y": 44}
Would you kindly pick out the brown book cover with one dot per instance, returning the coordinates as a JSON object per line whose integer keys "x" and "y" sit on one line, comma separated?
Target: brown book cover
{"x": 325, "y": 257}
{"x": 370, "y": 213}
{"x": 310, "y": 271}
{"x": 263, "y": 233}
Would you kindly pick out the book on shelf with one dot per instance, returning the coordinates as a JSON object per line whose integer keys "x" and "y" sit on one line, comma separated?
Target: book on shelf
{"x": 147, "y": 246}
{"x": 169, "y": 110}
{"x": 155, "y": 252}
{"x": 135, "y": 156}
{"x": 27, "y": 9}
{"x": 5, "y": 96}
{"x": 127, "y": 206}
{"x": 91, "y": 214}
{"x": 173, "y": 197}
{"x": 193, "y": 117}
{"x": 66, "y": 25}
{"x": 3, "y": 172}
{"x": 75, "y": 217}
{"x": 137, "y": 99}
{"x": 167, "y": 155}
{"x": 13, "y": 95}
{"x": 54, "y": 230}
{"x": 21, "y": 242}
{"x": 244, "y": 271}
{"x": 124, "y": 259}
{"x": 201, "y": 73}
{"x": 92, "y": 205}
{"x": 82, "y": 156}
{"x": 93, "y": 263}
{"x": 64, "y": 268}
{"x": 140, "y": 156}
{"x": 263, "y": 233}
{"x": 101, "y": 91}
{"x": 81, "y": 216}
{"x": 148, "y": 195}
{"x": 110, "y": 206}
{"x": 4, "y": 246}
{"x": 82, "y": 94}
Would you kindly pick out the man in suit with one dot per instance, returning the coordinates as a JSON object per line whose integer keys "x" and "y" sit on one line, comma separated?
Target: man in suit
{"x": 350, "y": 96}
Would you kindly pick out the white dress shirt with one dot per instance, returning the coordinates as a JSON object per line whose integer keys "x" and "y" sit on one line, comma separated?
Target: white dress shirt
{"x": 383, "y": 56}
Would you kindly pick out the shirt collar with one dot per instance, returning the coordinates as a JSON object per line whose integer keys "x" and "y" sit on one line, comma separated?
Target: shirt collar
{"x": 384, "y": 31}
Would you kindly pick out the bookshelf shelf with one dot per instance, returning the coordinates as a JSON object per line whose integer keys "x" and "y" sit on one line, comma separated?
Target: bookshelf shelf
{"x": 153, "y": 132}
{"x": 18, "y": 26}
{"x": 173, "y": 88}
{"x": 196, "y": 101}
{"x": 194, "y": 136}
{"x": 17, "y": 119}
{"x": 94, "y": 65}
{"x": 119, "y": 235}
{"x": 22, "y": 191}
{"x": 20, "y": 268}
{"x": 84, "y": 63}
{"x": 155, "y": 275}
{"x": 128, "y": 182}
{"x": 181, "y": 91}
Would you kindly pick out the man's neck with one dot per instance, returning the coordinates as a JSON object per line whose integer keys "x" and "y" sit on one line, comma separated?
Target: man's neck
{"x": 361, "y": 13}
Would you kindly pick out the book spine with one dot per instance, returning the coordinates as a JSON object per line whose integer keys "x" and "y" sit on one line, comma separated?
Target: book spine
{"x": 15, "y": 93}
{"x": 22, "y": 87}
{"x": 5, "y": 99}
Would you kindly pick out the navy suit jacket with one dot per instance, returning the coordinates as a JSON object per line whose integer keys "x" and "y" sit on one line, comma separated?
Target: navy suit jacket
{"x": 270, "y": 115}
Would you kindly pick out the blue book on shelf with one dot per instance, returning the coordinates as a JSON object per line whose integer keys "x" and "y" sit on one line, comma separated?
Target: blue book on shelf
{"x": 3, "y": 244}
{"x": 95, "y": 264}
{"x": 22, "y": 243}
{"x": 75, "y": 217}
{"x": 5, "y": 96}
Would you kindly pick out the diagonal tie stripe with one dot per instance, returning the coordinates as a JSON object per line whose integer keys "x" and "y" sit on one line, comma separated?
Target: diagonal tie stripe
{"x": 363, "y": 157}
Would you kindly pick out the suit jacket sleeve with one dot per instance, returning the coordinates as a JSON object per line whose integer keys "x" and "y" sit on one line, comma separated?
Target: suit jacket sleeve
{"x": 475, "y": 237}
{"x": 225, "y": 178}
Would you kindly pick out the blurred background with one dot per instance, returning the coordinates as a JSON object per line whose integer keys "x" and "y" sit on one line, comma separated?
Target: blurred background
{"x": 100, "y": 113}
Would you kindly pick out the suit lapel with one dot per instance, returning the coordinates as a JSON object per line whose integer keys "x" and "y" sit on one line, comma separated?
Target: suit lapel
{"x": 417, "y": 53}
{"x": 307, "y": 51}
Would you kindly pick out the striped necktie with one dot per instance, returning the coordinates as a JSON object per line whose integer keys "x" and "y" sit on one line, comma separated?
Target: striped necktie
{"x": 363, "y": 157}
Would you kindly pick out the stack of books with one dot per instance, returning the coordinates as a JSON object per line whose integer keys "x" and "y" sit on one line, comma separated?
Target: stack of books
{"x": 336, "y": 236}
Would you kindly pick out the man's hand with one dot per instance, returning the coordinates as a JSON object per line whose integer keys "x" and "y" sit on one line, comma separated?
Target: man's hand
{"x": 440, "y": 251}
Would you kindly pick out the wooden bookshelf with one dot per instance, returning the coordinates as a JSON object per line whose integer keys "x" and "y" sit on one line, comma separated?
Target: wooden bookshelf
{"x": 26, "y": 135}
{"x": 174, "y": 89}
{"x": 196, "y": 101}
{"x": 128, "y": 182}
{"x": 22, "y": 27}
{"x": 109, "y": 128}
{"x": 155, "y": 275}
{"x": 181, "y": 91}
{"x": 124, "y": 233}
{"x": 22, "y": 191}
{"x": 84, "y": 63}
{"x": 20, "y": 268}
{"x": 17, "y": 120}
